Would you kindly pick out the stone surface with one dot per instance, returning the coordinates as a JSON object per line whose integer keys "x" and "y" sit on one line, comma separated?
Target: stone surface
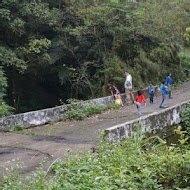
{"x": 151, "y": 123}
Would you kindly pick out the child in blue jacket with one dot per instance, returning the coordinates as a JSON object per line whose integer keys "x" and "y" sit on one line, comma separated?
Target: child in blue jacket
{"x": 169, "y": 85}
{"x": 151, "y": 91}
{"x": 164, "y": 92}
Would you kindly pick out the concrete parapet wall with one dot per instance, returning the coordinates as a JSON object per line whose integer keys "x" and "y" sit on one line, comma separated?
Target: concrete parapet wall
{"x": 40, "y": 117}
{"x": 151, "y": 123}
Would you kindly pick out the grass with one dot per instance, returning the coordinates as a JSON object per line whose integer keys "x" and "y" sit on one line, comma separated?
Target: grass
{"x": 18, "y": 129}
{"x": 26, "y": 132}
{"x": 87, "y": 111}
{"x": 51, "y": 122}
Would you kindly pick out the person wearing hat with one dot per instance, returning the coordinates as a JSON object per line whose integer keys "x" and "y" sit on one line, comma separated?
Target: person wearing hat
{"x": 128, "y": 88}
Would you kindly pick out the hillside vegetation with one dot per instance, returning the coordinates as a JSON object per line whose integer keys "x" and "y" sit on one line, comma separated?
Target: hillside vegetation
{"x": 52, "y": 50}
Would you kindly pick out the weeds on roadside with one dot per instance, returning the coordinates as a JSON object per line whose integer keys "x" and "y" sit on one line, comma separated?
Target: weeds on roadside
{"x": 87, "y": 111}
{"x": 26, "y": 132}
{"x": 51, "y": 122}
{"x": 14, "y": 128}
{"x": 185, "y": 117}
{"x": 18, "y": 129}
{"x": 5, "y": 110}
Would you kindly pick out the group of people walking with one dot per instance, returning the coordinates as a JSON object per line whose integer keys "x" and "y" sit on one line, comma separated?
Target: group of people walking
{"x": 165, "y": 89}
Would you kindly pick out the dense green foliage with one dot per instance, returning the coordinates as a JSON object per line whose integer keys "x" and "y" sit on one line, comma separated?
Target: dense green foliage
{"x": 133, "y": 164}
{"x": 185, "y": 60}
{"x": 187, "y": 36}
{"x": 185, "y": 117}
{"x": 3, "y": 85}
{"x": 52, "y": 50}
{"x": 4, "y": 108}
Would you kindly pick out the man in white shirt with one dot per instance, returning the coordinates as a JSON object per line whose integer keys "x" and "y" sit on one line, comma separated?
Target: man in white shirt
{"x": 128, "y": 88}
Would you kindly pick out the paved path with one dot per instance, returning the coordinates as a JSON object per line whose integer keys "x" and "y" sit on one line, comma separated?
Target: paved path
{"x": 54, "y": 141}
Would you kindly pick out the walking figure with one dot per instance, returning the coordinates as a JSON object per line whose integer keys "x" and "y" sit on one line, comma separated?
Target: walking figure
{"x": 128, "y": 88}
{"x": 151, "y": 91}
{"x": 169, "y": 85}
{"x": 164, "y": 92}
{"x": 139, "y": 99}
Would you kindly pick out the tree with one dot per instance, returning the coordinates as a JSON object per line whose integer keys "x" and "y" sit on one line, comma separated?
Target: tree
{"x": 52, "y": 50}
{"x": 187, "y": 36}
{"x": 3, "y": 85}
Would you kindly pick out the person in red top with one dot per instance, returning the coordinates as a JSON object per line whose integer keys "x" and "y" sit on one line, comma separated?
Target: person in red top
{"x": 139, "y": 99}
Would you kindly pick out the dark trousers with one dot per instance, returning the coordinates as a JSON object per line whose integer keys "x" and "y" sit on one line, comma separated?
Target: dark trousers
{"x": 170, "y": 90}
{"x": 151, "y": 96}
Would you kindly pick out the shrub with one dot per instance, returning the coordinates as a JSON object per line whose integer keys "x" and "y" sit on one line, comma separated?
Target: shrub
{"x": 94, "y": 109}
{"x": 5, "y": 110}
{"x": 74, "y": 114}
{"x": 185, "y": 63}
{"x": 3, "y": 84}
{"x": 87, "y": 111}
{"x": 127, "y": 165}
{"x": 51, "y": 122}
{"x": 15, "y": 128}
{"x": 185, "y": 117}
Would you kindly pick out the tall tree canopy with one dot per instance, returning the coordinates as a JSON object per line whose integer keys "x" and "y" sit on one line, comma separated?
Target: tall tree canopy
{"x": 52, "y": 50}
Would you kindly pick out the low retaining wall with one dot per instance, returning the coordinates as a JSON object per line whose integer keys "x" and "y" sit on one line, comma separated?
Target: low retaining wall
{"x": 40, "y": 117}
{"x": 151, "y": 123}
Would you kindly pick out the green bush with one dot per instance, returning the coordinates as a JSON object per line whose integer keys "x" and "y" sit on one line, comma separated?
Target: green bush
{"x": 15, "y": 128}
{"x": 87, "y": 111}
{"x": 51, "y": 122}
{"x": 5, "y": 110}
{"x": 74, "y": 114}
{"x": 3, "y": 84}
{"x": 185, "y": 63}
{"x": 94, "y": 109}
{"x": 185, "y": 117}
{"x": 132, "y": 164}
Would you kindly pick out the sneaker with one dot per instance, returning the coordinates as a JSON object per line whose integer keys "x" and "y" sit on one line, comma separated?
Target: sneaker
{"x": 161, "y": 107}
{"x": 170, "y": 97}
{"x": 165, "y": 106}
